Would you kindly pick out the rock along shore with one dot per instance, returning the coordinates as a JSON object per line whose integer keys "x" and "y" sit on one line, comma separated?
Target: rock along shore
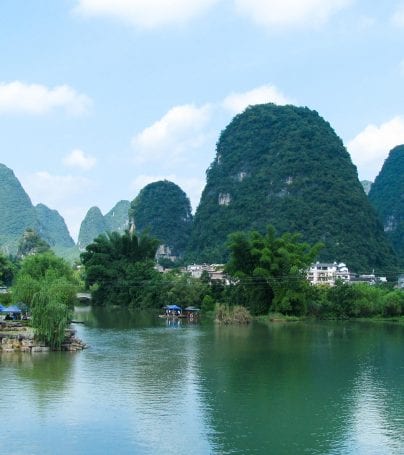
{"x": 14, "y": 336}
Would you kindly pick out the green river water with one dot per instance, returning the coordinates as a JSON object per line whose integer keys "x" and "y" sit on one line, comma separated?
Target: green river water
{"x": 146, "y": 387}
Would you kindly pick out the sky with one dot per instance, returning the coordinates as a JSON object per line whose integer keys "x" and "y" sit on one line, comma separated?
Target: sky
{"x": 100, "y": 97}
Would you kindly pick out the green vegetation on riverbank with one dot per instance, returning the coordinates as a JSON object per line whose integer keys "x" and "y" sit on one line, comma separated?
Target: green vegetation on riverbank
{"x": 47, "y": 286}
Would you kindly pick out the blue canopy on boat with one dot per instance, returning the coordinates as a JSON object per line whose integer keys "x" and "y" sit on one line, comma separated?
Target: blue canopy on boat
{"x": 9, "y": 309}
{"x": 172, "y": 307}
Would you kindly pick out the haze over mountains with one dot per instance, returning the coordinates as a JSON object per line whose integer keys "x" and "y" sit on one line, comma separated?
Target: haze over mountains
{"x": 387, "y": 197}
{"x": 274, "y": 165}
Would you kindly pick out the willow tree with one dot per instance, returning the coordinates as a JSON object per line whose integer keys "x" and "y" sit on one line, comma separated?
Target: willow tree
{"x": 50, "y": 318}
{"x": 269, "y": 271}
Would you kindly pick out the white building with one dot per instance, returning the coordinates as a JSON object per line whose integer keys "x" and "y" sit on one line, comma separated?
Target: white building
{"x": 328, "y": 273}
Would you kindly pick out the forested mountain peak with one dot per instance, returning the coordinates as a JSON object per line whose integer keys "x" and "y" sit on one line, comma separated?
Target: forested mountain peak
{"x": 91, "y": 227}
{"x": 164, "y": 210}
{"x": 285, "y": 166}
{"x": 53, "y": 228}
{"x": 16, "y": 209}
{"x": 117, "y": 219}
{"x": 387, "y": 196}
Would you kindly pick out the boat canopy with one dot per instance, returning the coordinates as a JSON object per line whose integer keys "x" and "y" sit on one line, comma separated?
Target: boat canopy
{"x": 172, "y": 307}
{"x": 192, "y": 308}
{"x": 9, "y": 309}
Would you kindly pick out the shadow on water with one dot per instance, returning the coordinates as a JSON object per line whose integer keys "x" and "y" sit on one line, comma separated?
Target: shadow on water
{"x": 115, "y": 317}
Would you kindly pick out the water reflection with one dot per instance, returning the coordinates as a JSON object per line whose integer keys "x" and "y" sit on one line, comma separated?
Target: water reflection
{"x": 160, "y": 388}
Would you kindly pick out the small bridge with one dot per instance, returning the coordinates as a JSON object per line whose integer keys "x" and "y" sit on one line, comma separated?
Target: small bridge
{"x": 83, "y": 296}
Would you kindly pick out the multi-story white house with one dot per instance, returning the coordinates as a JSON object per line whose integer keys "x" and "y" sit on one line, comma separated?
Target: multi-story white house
{"x": 328, "y": 273}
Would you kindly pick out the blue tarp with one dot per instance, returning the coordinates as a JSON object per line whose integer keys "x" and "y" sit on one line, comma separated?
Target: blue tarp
{"x": 9, "y": 309}
{"x": 172, "y": 307}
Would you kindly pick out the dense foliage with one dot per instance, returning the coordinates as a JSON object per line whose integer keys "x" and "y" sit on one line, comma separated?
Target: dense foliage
{"x": 285, "y": 165}
{"x": 387, "y": 196}
{"x": 31, "y": 243}
{"x": 164, "y": 210}
{"x": 45, "y": 283}
{"x": 269, "y": 271}
{"x": 7, "y": 270}
{"x": 119, "y": 269}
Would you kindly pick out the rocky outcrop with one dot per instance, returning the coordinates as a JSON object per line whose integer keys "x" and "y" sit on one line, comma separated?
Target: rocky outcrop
{"x": 14, "y": 336}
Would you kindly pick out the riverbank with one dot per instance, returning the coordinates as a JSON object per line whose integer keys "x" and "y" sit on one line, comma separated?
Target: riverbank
{"x": 16, "y": 336}
{"x": 279, "y": 317}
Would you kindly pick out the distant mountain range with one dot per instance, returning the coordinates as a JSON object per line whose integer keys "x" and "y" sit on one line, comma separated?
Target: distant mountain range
{"x": 17, "y": 213}
{"x": 276, "y": 165}
{"x": 95, "y": 223}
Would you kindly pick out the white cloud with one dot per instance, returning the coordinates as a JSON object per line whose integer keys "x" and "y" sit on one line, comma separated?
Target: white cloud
{"x": 398, "y": 16}
{"x": 237, "y": 102}
{"x": 281, "y": 13}
{"x": 77, "y": 158}
{"x": 177, "y": 133}
{"x": 58, "y": 191}
{"x": 146, "y": 13}
{"x": 192, "y": 186}
{"x": 18, "y": 97}
{"x": 372, "y": 145}
{"x": 52, "y": 189}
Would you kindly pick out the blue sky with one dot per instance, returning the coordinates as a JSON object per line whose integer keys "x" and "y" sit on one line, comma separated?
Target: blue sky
{"x": 100, "y": 97}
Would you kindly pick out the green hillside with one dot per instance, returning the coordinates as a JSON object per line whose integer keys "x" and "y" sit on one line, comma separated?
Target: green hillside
{"x": 165, "y": 211}
{"x": 53, "y": 228}
{"x": 16, "y": 209}
{"x": 91, "y": 227}
{"x": 387, "y": 197}
{"x": 117, "y": 219}
{"x": 285, "y": 166}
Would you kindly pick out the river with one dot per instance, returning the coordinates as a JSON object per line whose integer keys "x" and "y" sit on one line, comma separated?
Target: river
{"x": 147, "y": 387}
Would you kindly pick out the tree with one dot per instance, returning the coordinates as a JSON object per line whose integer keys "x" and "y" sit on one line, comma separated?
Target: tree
{"x": 269, "y": 272}
{"x": 7, "y": 270}
{"x": 119, "y": 269}
{"x": 31, "y": 243}
{"x": 46, "y": 284}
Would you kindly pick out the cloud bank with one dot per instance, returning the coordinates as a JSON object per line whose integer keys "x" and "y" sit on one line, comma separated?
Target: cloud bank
{"x": 181, "y": 130}
{"x": 150, "y": 14}
{"x": 237, "y": 102}
{"x": 19, "y": 98}
{"x": 371, "y": 146}
{"x": 146, "y": 13}
{"x": 78, "y": 159}
{"x": 286, "y": 13}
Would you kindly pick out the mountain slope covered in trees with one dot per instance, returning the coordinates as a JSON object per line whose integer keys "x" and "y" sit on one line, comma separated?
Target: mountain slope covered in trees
{"x": 53, "y": 228}
{"x": 95, "y": 223}
{"x": 117, "y": 219}
{"x": 164, "y": 210}
{"x": 285, "y": 166}
{"x": 17, "y": 214}
{"x": 387, "y": 197}
{"x": 91, "y": 227}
